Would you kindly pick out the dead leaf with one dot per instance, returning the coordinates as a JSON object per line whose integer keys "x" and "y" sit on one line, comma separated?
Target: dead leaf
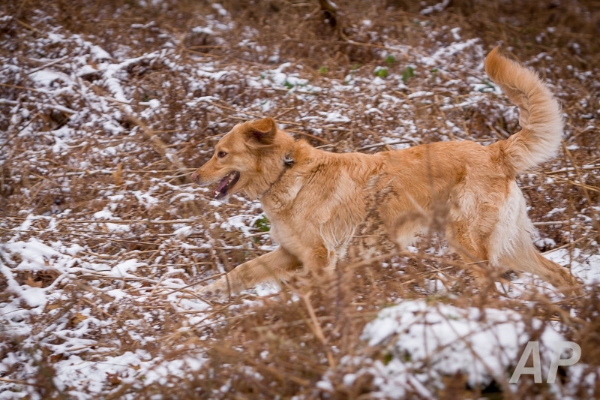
{"x": 118, "y": 175}
{"x": 78, "y": 318}
{"x": 33, "y": 283}
{"x": 113, "y": 379}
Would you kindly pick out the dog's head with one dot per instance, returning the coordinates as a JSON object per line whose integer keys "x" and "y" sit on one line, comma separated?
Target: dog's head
{"x": 248, "y": 159}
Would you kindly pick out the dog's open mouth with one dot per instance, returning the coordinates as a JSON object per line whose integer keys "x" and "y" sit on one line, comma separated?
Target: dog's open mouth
{"x": 226, "y": 184}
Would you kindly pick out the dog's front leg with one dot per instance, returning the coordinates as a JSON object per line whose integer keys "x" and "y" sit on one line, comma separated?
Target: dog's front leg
{"x": 275, "y": 265}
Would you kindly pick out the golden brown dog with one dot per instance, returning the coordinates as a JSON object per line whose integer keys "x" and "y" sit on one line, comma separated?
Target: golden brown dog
{"x": 317, "y": 201}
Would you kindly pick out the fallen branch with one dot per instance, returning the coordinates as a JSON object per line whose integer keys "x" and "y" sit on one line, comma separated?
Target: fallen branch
{"x": 45, "y": 105}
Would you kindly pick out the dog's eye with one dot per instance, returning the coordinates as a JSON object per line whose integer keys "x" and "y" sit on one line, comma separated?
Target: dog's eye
{"x": 221, "y": 154}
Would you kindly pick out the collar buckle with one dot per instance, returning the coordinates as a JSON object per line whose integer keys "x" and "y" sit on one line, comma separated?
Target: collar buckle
{"x": 288, "y": 160}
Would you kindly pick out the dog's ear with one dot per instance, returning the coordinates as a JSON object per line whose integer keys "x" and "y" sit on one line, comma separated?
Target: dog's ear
{"x": 262, "y": 131}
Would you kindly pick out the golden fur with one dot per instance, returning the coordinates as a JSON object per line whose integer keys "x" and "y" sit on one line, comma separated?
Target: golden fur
{"x": 317, "y": 201}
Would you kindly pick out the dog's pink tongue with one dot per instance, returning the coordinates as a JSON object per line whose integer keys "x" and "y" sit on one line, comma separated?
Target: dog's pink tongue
{"x": 222, "y": 184}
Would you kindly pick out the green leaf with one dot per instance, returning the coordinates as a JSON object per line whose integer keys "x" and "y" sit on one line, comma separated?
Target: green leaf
{"x": 387, "y": 358}
{"x": 381, "y": 72}
{"x": 263, "y": 224}
{"x": 407, "y": 73}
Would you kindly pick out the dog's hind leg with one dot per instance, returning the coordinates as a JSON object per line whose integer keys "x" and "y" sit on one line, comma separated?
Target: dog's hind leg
{"x": 470, "y": 244}
{"x": 406, "y": 233}
{"x": 276, "y": 265}
{"x": 511, "y": 245}
{"x": 528, "y": 259}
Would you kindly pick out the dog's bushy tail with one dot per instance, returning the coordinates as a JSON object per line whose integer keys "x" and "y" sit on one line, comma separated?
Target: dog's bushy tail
{"x": 541, "y": 121}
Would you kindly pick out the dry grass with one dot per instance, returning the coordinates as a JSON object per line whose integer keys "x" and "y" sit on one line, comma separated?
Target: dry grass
{"x": 54, "y": 157}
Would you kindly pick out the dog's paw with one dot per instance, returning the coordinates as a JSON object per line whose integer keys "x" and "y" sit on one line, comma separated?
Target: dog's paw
{"x": 215, "y": 291}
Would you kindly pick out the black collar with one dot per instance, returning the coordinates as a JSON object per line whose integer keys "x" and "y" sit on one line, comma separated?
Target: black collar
{"x": 288, "y": 163}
